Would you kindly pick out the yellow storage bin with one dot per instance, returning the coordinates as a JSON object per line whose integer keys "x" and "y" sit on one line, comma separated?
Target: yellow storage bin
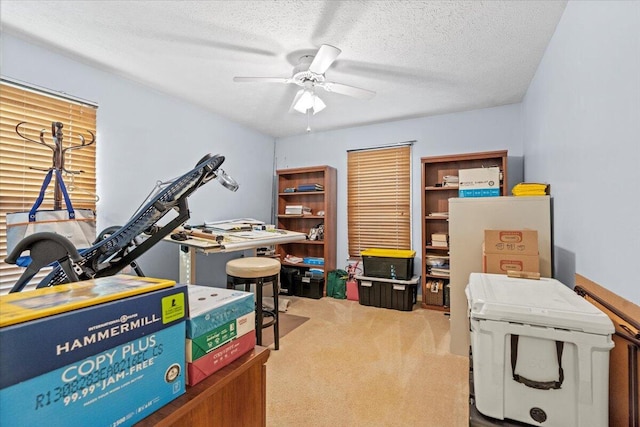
{"x": 388, "y": 263}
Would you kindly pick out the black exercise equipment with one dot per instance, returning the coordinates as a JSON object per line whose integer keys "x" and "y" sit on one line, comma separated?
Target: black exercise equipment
{"x": 110, "y": 255}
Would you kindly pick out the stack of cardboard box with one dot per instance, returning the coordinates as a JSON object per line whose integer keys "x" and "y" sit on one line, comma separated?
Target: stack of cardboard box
{"x": 220, "y": 328}
{"x": 511, "y": 250}
{"x": 107, "y": 352}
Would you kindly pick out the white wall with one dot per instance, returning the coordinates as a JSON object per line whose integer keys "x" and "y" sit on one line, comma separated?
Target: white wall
{"x": 144, "y": 136}
{"x": 581, "y": 120}
{"x": 578, "y": 128}
{"x": 479, "y": 130}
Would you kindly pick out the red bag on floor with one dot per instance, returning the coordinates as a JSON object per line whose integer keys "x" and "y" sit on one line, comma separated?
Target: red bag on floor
{"x": 352, "y": 290}
{"x": 352, "y": 283}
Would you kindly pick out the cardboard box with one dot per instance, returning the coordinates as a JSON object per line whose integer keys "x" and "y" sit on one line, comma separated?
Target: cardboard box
{"x": 34, "y": 304}
{"x": 502, "y": 263}
{"x": 206, "y": 343}
{"x": 32, "y": 348}
{"x": 479, "y": 182}
{"x": 119, "y": 386}
{"x": 520, "y": 242}
{"x": 219, "y": 358}
{"x": 211, "y": 307}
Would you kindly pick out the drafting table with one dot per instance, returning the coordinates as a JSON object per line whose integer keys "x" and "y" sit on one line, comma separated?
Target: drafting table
{"x": 232, "y": 241}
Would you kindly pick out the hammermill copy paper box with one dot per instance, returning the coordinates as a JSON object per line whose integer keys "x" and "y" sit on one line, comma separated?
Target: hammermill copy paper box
{"x": 217, "y": 359}
{"x": 34, "y": 304}
{"x": 34, "y": 347}
{"x": 211, "y": 307}
{"x": 209, "y": 341}
{"x": 116, "y": 387}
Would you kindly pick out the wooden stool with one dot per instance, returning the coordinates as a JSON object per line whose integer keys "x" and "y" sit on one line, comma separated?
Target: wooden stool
{"x": 259, "y": 271}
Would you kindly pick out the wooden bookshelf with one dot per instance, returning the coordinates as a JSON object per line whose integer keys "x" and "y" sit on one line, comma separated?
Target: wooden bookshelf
{"x": 319, "y": 201}
{"x": 435, "y": 199}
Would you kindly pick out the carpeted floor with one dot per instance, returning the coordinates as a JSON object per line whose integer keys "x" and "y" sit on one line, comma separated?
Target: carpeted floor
{"x": 353, "y": 365}
{"x": 288, "y": 322}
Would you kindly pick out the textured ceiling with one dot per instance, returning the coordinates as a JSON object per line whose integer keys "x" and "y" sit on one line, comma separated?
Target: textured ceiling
{"x": 420, "y": 57}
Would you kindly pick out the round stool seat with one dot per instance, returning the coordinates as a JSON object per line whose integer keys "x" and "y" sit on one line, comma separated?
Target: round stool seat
{"x": 253, "y": 267}
{"x": 258, "y": 271}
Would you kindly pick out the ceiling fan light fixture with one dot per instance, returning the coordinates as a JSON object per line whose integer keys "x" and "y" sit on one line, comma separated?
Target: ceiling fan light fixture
{"x": 308, "y": 74}
{"x": 305, "y": 101}
{"x": 318, "y": 104}
{"x": 309, "y": 101}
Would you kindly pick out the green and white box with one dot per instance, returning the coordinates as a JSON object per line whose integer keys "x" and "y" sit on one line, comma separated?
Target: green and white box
{"x": 206, "y": 343}
{"x": 211, "y": 307}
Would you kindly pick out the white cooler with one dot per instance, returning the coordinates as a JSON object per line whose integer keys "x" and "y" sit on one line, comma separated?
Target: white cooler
{"x": 540, "y": 352}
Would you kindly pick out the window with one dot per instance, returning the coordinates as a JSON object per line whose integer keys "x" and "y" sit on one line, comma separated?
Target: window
{"x": 379, "y": 199}
{"x": 20, "y": 179}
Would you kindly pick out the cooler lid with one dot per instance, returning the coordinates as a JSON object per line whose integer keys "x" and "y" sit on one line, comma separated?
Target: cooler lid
{"x": 544, "y": 302}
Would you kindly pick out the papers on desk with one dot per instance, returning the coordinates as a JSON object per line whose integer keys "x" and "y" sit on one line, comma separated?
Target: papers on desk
{"x": 254, "y": 234}
{"x": 227, "y": 226}
{"x": 233, "y": 225}
{"x": 236, "y": 240}
{"x": 198, "y": 242}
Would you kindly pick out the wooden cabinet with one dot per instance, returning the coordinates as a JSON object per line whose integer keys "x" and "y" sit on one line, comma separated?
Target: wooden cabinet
{"x": 235, "y": 396}
{"x": 321, "y": 206}
{"x": 435, "y": 212}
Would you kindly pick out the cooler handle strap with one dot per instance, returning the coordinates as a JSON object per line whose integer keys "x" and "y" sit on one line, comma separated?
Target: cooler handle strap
{"x": 540, "y": 385}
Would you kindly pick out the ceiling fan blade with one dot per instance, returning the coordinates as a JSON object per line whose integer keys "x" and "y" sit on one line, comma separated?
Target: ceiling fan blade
{"x": 262, "y": 79}
{"x": 324, "y": 58}
{"x": 343, "y": 89}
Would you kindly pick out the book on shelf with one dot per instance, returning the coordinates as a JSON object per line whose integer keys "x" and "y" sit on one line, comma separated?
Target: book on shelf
{"x": 438, "y": 244}
{"x": 440, "y": 271}
{"x": 297, "y": 210}
{"x": 445, "y": 258}
{"x": 292, "y": 259}
{"x": 450, "y": 181}
{"x": 440, "y": 214}
{"x": 311, "y": 187}
{"x": 293, "y": 210}
{"x": 440, "y": 240}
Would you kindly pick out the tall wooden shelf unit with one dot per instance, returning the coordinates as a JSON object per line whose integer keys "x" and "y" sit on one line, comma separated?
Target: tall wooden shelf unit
{"x": 435, "y": 199}
{"x": 318, "y": 201}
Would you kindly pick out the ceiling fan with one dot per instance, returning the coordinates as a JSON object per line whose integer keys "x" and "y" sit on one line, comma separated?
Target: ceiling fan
{"x": 309, "y": 75}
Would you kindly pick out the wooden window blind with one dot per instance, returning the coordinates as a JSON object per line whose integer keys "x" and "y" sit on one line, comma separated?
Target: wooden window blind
{"x": 19, "y": 183}
{"x": 379, "y": 199}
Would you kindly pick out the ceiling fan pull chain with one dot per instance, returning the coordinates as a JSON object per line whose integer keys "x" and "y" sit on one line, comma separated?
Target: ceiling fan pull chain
{"x": 309, "y": 120}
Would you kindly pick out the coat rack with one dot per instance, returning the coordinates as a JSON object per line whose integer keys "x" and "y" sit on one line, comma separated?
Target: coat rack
{"x": 59, "y": 153}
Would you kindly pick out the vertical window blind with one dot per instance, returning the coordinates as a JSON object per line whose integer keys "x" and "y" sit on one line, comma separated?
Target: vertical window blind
{"x": 379, "y": 199}
{"x": 21, "y": 161}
